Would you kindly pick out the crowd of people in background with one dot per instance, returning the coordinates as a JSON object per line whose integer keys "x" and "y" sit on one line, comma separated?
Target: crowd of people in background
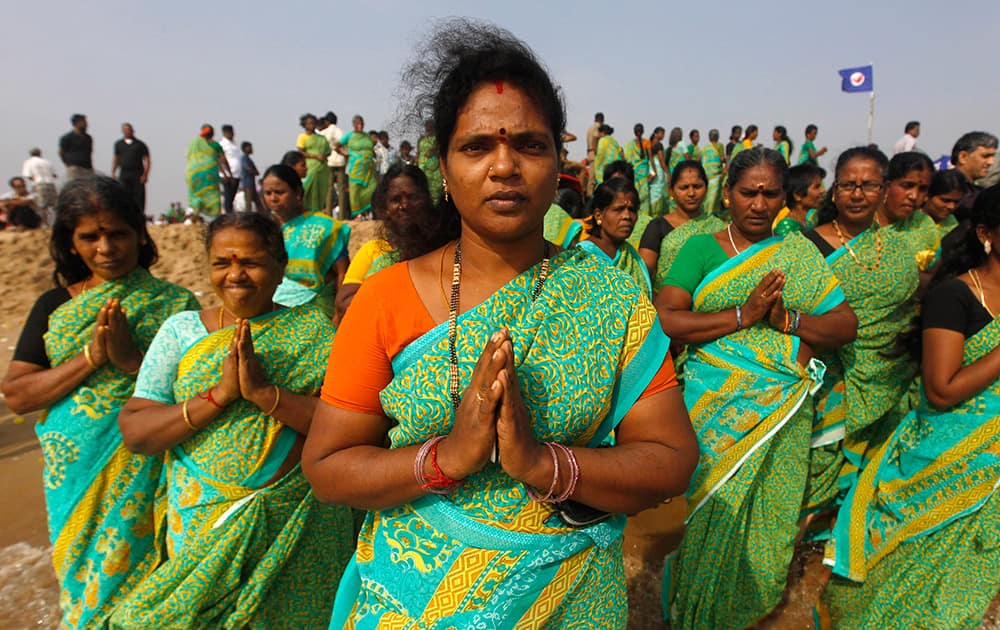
{"x": 449, "y": 428}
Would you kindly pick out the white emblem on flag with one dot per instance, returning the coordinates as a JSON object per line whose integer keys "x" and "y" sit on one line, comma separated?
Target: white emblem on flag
{"x": 857, "y": 79}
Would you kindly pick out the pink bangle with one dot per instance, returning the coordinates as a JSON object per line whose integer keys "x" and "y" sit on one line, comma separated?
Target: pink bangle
{"x": 555, "y": 478}
{"x": 574, "y": 474}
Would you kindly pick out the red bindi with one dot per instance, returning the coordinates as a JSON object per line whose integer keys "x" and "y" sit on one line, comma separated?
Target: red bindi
{"x": 499, "y": 87}
{"x": 234, "y": 258}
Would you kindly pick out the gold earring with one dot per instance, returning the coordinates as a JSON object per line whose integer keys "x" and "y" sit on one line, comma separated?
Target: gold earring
{"x": 987, "y": 247}
{"x": 444, "y": 184}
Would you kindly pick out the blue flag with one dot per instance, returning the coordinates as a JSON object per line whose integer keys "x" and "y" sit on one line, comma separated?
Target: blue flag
{"x": 856, "y": 79}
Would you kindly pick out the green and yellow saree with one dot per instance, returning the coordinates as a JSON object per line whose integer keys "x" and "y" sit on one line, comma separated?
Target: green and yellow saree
{"x": 430, "y": 164}
{"x": 636, "y": 155}
{"x": 917, "y": 538}
{"x": 203, "y": 176}
{"x": 627, "y": 259}
{"x": 360, "y": 170}
{"x": 242, "y": 552}
{"x": 314, "y": 242}
{"x": 749, "y": 403}
{"x": 317, "y": 181}
{"x": 487, "y": 556}
{"x": 642, "y": 220}
{"x": 922, "y": 235}
{"x": 608, "y": 151}
{"x": 657, "y": 188}
{"x": 100, "y": 497}
{"x": 711, "y": 160}
{"x": 560, "y": 228}
{"x": 785, "y": 149}
{"x": 867, "y": 381}
{"x": 704, "y": 223}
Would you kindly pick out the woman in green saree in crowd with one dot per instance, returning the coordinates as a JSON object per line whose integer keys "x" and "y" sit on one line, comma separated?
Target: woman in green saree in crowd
{"x": 713, "y": 160}
{"x": 661, "y": 176}
{"x": 864, "y": 392}
{"x": 316, "y": 149}
{"x": 803, "y": 194}
{"x": 753, "y": 309}
{"x": 808, "y": 153}
{"x": 204, "y": 161}
{"x": 637, "y": 154}
{"x": 749, "y": 138}
{"x": 908, "y": 180}
{"x": 666, "y": 235}
{"x": 226, "y": 394}
{"x": 359, "y": 149}
{"x": 315, "y": 242}
{"x": 782, "y": 143}
{"x": 611, "y": 223}
{"x": 916, "y": 543}
{"x": 560, "y": 226}
{"x": 608, "y": 151}
{"x": 77, "y": 357}
{"x": 946, "y": 191}
{"x": 402, "y": 202}
{"x": 455, "y": 536}
{"x": 429, "y": 161}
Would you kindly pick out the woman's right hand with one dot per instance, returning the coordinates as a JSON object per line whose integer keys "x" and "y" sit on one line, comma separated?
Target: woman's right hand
{"x": 227, "y": 390}
{"x": 99, "y": 340}
{"x": 763, "y": 297}
{"x": 470, "y": 444}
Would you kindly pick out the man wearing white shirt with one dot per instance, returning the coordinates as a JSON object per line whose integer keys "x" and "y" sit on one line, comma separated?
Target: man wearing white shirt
{"x": 231, "y": 185}
{"x": 909, "y": 140}
{"x": 42, "y": 176}
{"x": 337, "y": 195}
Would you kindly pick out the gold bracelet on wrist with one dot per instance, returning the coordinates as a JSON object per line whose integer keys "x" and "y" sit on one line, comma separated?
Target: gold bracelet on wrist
{"x": 187, "y": 418}
{"x": 86, "y": 355}
{"x": 277, "y": 399}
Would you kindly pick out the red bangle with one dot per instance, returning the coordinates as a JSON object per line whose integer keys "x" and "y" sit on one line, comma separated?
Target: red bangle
{"x": 439, "y": 481}
{"x": 208, "y": 396}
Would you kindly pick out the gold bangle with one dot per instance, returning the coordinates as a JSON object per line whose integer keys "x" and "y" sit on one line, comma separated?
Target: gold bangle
{"x": 86, "y": 355}
{"x": 187, "y": 418}
{"x": 277, "y": 399}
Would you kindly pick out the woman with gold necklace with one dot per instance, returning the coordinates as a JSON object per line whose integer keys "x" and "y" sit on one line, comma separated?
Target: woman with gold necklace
{"x": 895, "y": 529}
{"x": 866, "y": 381}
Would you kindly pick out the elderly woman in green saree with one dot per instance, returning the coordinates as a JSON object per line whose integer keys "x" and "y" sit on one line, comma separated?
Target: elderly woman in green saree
{"x": 753, "y": 309}
{"x": 916, "y": 542}
{"x": 608, "y": 151}
{"x": 615, "y": 209}
{"x": 865, "y": 389}
{"x": 204, "y": 161}
{"x": 359, "y": 149}
{"x": 226, "y": 394}
{"x": 429, "y": 161}
{"x": 907, "y": 181}
{"x": 316, "y": 150}
{"x": 637, "y": 153}
{"x": 315, "y": 242}
{"x": 462, "y": 427}
{"x": 713, "y": 160}
{"x": 77, "y": 357}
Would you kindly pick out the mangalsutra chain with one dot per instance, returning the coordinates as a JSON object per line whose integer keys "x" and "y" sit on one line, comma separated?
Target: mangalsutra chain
{"x": 854, "y": 256}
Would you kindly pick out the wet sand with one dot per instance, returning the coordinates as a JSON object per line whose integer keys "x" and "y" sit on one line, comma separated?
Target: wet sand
{"x": 28, "y": 589}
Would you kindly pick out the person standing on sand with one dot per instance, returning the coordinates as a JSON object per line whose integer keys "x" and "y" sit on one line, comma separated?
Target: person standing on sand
{"x": 76, "y": 148}
{"x": 39, "y": 172}
{"x": 337, "y": 196}
{"x": 204, "y": 161}
{"x": 230, "y": 180}
{"x": 132, "y": 163}
{"x": 593, "y": 136}
{"x": 909, "y": 140}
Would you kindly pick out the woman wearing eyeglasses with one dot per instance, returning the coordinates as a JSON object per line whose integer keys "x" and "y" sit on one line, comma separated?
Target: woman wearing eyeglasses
{"x": 863, "y": 392}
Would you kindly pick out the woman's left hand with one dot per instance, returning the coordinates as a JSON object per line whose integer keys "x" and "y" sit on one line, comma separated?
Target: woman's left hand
{"x": 254, "y": 385}
{"x": 519, "y": 451}
{"x": 118, "y": 341}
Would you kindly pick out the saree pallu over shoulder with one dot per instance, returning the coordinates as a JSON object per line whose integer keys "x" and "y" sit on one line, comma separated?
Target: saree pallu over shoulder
{"x": 314, "y": 242}
{"x": 487, "y": 555}
{"x": 203, "y": 177}
{"x": 100, "y": 496}
{"x": 608, "y": 151}
{"x": 916, "y": 541}
{"x": 711, "y": 160}
{"x": 636, "y": 155}
{"x": 704, "y": 223}
{"x": 626, "y": 259}
{"x": 244, "y": 552}
{"x": 560, "y": 228}
{"x": 747, "y": 398}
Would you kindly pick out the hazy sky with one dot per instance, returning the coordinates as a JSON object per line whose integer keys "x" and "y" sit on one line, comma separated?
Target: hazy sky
{"x": 167, "y": 67}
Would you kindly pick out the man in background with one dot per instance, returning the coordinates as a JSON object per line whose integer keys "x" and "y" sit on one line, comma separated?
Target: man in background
{"x": 230, "y": 184}
{"x": 76, "y": 149}
{"x": 592, "y": 139}
{"x": 337, "y": 196}
{"x": 909, "y": 140}
{"x": 42, "y": 176}
{"x": 131, "y": 165}
{"x": 17, "y": 207}
{"x": 973, "y": 156}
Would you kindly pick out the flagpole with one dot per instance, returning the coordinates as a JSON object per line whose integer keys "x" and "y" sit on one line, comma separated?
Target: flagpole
{"x": 871, "y": 115}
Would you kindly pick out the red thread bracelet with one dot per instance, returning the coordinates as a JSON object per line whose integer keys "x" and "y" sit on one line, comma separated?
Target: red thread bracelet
{"x": 439, "y": 481}
{"x": 208, "y": 396}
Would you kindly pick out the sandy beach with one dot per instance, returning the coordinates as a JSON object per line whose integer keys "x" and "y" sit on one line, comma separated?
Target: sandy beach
{"x": 28, "y": 590}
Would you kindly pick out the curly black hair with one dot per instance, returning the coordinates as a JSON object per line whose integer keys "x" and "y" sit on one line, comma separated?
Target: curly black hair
{"x": 458, "y": 55}
{"x": 86, "y": 196}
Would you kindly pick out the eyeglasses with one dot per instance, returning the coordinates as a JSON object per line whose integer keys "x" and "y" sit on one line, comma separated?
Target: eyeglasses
{"x": 848, "y": 188}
